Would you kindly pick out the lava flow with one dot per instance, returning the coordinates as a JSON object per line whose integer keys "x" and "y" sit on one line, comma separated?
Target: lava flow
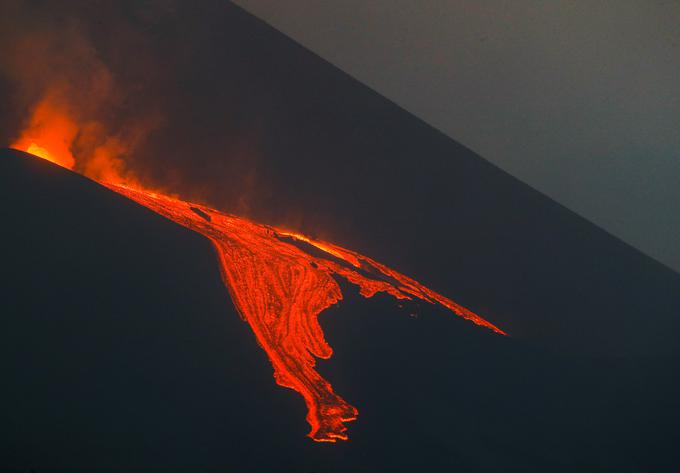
{"x": 279, "y": 288}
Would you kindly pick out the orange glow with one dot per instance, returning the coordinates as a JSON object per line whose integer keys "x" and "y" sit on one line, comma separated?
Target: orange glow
{"x": 52, "y": 134}
{"x": 42, "y": 153}
{"x": 280, "y": 290}
{"x": 49, "y": 134}
{"x": 277, "y": 287}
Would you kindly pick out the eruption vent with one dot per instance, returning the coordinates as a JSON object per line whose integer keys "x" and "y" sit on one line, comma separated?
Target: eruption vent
{"x": 49, "y": 134}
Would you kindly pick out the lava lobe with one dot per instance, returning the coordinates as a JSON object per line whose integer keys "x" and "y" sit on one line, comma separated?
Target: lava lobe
{"x": 279, "y": 290}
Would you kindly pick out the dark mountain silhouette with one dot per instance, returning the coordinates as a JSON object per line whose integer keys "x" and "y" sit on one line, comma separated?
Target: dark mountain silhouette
{"x": 120, "y": 350}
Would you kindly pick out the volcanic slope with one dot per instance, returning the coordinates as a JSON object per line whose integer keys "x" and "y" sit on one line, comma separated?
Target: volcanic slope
{"x": 120, "y": 349}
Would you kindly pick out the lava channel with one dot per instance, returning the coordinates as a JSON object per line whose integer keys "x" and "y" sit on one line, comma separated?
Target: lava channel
{"x": 280, "y": 290}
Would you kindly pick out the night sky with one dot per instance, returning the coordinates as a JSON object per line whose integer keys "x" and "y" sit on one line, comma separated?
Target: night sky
{"x": 213, "y": 104}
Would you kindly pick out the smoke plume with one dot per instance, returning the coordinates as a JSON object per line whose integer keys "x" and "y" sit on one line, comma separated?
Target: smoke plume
{"x": 69, "y": 107}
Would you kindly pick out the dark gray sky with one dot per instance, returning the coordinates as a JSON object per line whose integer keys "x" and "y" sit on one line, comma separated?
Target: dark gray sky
{"x": 579, "y": 99}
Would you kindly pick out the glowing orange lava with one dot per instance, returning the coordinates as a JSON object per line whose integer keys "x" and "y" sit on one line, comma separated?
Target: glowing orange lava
{"x": 280, "y": 289}
{"x": 49, "y": 134}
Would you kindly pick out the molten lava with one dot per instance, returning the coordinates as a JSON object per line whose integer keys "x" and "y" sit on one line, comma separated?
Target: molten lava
{"x": 279, "y": 289}
{"x": 49, "y": 134}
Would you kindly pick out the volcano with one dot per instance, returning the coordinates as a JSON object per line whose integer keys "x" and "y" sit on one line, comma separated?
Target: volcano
{"x": 121, "y": 349}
